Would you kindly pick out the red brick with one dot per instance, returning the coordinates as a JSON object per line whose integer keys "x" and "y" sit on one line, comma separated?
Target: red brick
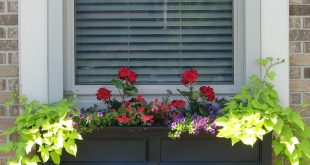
{"x": 6, "y": 123}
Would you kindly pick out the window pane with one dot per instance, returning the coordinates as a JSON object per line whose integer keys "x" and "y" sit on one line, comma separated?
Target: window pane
{"x": 159, "y": 39}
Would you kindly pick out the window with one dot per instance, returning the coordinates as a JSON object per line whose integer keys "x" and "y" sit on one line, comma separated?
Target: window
{"x": 159, "y": 39}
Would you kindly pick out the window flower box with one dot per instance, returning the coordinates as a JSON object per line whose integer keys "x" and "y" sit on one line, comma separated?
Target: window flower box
{"x": 150, "y": 145}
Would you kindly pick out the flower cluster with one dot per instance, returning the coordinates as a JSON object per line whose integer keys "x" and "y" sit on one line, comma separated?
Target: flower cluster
{"x": 127, "y": 74}
{"x": 189, "y": 77}
{"x": 208, "y": 92}
{"x": 178, "y": 104}
{"x": 103, "y": 94}
{"x": 134, "y": 110}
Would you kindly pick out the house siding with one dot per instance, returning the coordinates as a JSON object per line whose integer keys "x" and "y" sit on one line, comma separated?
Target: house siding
{"x": 8, "y": 65}
{"x": 300, "y": 54}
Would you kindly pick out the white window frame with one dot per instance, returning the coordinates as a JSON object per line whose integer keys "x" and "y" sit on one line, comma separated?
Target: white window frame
{"x": 239, "y": 59}
{"x": 41, "y": 33}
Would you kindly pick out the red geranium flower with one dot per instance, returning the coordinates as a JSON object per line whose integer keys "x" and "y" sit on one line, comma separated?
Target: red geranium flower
{"x": 178, "y": 103}
{"x": 127, "y": 74}
{"x": 128, "y": 108}
{"x": 123, "y": 72}
{"x": 140, "y": 110}
{"x": 140, "y": 98}
{"x": 189, "y": 77}
{"x": 103, "y": 94}
{"x": 132, "y": 77}
{"x": 146, "y": 118}
{"x": 208, "y": 92}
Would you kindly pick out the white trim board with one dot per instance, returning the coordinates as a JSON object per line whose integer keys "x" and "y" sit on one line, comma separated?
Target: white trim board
{"x": 33, "y": 49}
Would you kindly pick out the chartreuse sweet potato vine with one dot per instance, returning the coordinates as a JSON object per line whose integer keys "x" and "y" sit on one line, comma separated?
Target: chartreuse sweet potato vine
{"x": 43, "y": 127}
{"x": 256, "y": 111}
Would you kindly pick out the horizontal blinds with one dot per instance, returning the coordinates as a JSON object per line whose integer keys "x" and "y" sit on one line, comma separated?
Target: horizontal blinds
{"x": 159, "y": 39}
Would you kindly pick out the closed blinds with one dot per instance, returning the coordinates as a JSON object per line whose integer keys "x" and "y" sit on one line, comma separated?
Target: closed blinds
{"x": 159, "y": 39}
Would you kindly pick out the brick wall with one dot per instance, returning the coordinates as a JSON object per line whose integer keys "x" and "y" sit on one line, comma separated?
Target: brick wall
{"x": 300, "y": 54}
{"x": 8, "y": 63}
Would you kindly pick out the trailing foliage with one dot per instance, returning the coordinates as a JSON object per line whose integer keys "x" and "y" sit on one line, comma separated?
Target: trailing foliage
{"x": 256, "y": 111}
{"x": 43, "y": 127}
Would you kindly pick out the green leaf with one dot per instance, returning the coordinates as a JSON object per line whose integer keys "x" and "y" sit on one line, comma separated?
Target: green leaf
{"x": 44, "y": 153}
{"x": 14, "y": 163}
{"x": 29, "y": 146}
{"x": 278, "y": 127}
{"x": 268, "y": 125}
{"x": 7, "y": 147}
{"x": 75, "y": 135}
{"x": 35, "y": 158}
{"x": 277, "y": 147}
{"x": 256, "y": 104}
{"x": 262, "y": 62}
{"x": 286, "y": 133}
{"x": 70, "y": 147}
{"x": 55, "y": 157}
{"x": 118, "y": 84}
{"x": 133, "y": 91}
{"x": 271, "y": 75}
{"x": 297, "y": 119}
{"x": 305, "y": 146}
{"x": 184, "y": 93}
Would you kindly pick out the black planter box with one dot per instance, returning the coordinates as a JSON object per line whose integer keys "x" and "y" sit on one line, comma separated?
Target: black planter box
{"x": 142, "y": 146}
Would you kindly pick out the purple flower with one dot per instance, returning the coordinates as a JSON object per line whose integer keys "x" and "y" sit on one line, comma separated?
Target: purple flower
{"x": 206, "y": 127}
{"x": 218, "y": 112}
{"x": 71, "y": 116}
{"x": 182, "y": 120}
{"x": 81, "y": 116}
{"x": 173, "y": 125}
{"x": 212, "y": 117}
{"x": 212, "y": 131}
{"x": 100, "y": 114}
{"x": 213, "y": 125}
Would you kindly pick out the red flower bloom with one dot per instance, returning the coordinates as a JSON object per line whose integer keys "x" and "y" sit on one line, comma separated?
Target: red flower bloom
{"x": 178, "y": 103}
{"x": 146, "y": 118}
{"x": 140, "y": 110}
{"x": 189, "y": 76}
{"x": 175, "y": 115}
{"x": 103, "y": 94}
{"x": 170, "y": 106}
{"x": 128, "y": 109}
{"x": 121, "y": 120}
{"x": 132, "y": 77}
{"x": 116, "y": 117}
{"x": 155, "y": 108}
{"x": 126, "y": 73}
{"x": 126, "y": 103}
{"x": 123, "y": 73}
{"x": 140, "y": 98}
{"x": 208, "y": 92}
